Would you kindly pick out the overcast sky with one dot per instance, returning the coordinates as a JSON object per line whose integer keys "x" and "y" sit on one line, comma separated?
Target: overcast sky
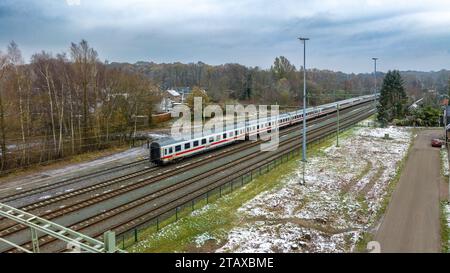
{"x": 345, "y": 34}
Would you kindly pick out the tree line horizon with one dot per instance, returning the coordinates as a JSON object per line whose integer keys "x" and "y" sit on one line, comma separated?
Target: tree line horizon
{"x": 68, "y": 103}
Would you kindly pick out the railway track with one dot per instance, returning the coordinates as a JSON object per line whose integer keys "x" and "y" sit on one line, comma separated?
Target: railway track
{"x": 68, "y": 181}
{"x": 74, "y": 192}
{"x": 122, "y": 226}
{"x": 65, "y": 194}
{"x": 90, "y": 197}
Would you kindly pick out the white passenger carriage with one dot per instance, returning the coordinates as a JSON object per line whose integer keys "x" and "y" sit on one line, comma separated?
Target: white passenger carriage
{"x": 167, "y": 150}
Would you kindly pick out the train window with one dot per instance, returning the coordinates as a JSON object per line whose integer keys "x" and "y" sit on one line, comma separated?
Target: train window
{"x": 225, "y": 135}
{"x": 257, "y": 126}
{"x": 165, "y": 151}
{"x": 236, "y": 133}
{"x": 211, "y": 139}
{"x": 177, "y": 148}
{"x": 231, "y": 134}
{"x": 187, "y": 145}
{"x": 196, "y": 143}
{"x": 217, "y": 138}
{"x": 204, "y": 141}
{"x": 170, "y": 150}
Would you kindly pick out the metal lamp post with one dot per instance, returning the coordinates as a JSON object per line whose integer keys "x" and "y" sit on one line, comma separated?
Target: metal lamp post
{"x": 304, "y": 105}
{"x": 375, "y": 75}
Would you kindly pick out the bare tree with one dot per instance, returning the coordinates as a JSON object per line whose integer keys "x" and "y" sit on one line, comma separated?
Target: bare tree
{"x": 42, "y": 62}
{"x": 85, "y": 59}
{"x": 16, "y": 60}
{"x": 4, "y": 62}
{"x": 53, "y": 104}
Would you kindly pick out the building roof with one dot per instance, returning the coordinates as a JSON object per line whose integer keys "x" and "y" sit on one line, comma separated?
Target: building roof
{"x": 173, "y": 93}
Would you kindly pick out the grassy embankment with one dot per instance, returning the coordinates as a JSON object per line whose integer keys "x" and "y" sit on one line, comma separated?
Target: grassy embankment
{"x": 445, "y": 225}
{"x": 220, "y": 215}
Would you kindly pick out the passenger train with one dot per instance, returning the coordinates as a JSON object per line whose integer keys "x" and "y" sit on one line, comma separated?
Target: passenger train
{"x": 167, "y": 149}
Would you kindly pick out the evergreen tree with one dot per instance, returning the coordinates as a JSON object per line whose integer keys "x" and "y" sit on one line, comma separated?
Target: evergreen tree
{"x": 246, "y": 95}
{"x": 392, "y": 98}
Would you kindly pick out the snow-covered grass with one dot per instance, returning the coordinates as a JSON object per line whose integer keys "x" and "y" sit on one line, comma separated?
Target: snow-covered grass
{"x": 445, "y": 206}
{"x": 338, "y": 203}
{"x": 444, "y": 162}
{"x": 344, "y": 191}
{"x": 206, "y": 228}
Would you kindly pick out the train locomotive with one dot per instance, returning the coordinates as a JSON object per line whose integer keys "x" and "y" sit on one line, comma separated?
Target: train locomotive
{"x": 167, "y": 150}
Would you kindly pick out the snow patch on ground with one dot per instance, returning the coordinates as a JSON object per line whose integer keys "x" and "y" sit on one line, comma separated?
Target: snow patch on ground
{"x": 45, "y": 197}
{"x": 156, "y": 136}
{"x": 203, "y": 209}
{"x": 444, "y": 161}
{"x": 66, "y": 172}
{"x": 202, "y": 238}
{"x": 344, "y": 190}
{"x": 131, "y": 153}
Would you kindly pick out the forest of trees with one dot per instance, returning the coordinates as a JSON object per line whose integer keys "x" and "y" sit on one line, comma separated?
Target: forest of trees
{"x": 65, "y": 104}
{"x": 53, "y": 106}
{"x": 280, "y": 84}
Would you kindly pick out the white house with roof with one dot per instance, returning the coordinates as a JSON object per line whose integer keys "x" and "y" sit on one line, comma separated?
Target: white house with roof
{"x": 169, "y": 98}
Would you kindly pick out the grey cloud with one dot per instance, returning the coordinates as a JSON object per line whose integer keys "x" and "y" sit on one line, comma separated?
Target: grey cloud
{"x": 248, "y": 32}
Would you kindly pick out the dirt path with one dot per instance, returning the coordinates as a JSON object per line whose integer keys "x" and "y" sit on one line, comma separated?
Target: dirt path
{"x": 411, "y": 223}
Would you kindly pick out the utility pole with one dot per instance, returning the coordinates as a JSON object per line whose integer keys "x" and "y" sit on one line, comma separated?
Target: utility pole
{"x": 375, "y": 75}
{"x": 337, "y": 110}
{"x": 304, "y": 105}
{"x": 337, "y": 133}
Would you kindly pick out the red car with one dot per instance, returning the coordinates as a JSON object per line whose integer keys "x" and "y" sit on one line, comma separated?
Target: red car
{"x": 436, "y": 142}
